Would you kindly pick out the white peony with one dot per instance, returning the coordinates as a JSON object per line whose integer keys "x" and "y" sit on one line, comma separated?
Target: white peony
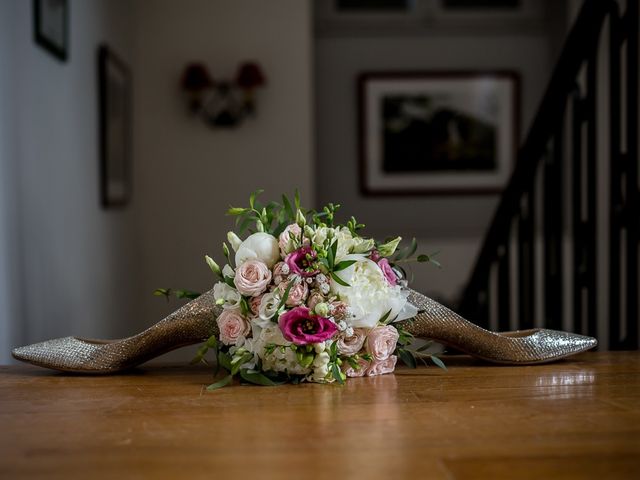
{"x": 227, "y": 296}
{"x": 261, "y": 246}
{"x": 369, "y": 295}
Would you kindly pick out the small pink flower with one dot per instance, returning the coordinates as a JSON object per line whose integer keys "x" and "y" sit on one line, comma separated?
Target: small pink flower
{"x": 254, "y": 304}
{"x": 297, "y": 294}
{"x": 382, "y": 367}
{"x": 381, "y": 342}
{"x": 285, "y": 238}
{"x": 314, "y": 299}
{"x": 302, "y": 262}
{"x": 351, "y": 372}
{"x": 352, "y": 345}
{"x": 232, "y": 325}
{"x": 301, "y": 327}
{"x": 374, "y": 255}
{"x": 280, "y": 272}
{"x": 388, "y": 272}
{"x": 340, "y": 310}
{"x": 252, "y": 278}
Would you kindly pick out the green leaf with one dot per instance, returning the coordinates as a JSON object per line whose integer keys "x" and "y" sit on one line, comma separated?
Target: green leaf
{"x": 337, "y": 375}
{"x": 287, "y": 207}
{"x": 284, "y": 298}
{"x": 338, "y": 280}
{"x": 212, "y": 342}
{"x": 187, "y": 294}
{"x": 385, "y": 316}
{"x": 258, "y": 378}
{"x": 162, "y": 292}
{"x": 425, "y": 347}
{"x": 252, "y": 198}
{"x": 438, "y": 362}
{"x": 296, "y": 199}
{"x": 237, "y": 211}
{"x": 343, "y": 264}
{"x": 407, "y": 357}
{"x": 224, "y": 359}
{"x": 220, "y": 383}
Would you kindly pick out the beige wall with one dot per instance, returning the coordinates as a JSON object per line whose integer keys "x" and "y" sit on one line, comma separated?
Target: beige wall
{"x": 187, "y": 174}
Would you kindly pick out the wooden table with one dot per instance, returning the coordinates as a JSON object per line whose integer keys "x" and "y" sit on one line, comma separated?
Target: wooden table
{"x": 577, "y": 418}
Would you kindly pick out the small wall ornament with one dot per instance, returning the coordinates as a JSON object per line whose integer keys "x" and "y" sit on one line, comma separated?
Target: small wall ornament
{"x": 222, "y": 103}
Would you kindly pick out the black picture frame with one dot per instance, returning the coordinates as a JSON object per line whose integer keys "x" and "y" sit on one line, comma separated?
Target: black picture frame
{"x": 377, "y": 92}
{"x": 51, "y": 26}
{"x": 114, "y": 107}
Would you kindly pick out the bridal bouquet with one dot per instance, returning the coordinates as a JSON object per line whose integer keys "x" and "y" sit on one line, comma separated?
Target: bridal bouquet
{"x": 305, "y": 299}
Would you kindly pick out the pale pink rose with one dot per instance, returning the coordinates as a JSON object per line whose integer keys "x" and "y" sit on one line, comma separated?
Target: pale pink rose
{"x": 232, "y": 325}
{"x": 340, "y": 310}
{"x": 285, "y": 237}
{"x": 352, "y": 345}
{"x": 382, "y": 367}
{"x": 351, "y": 372}
{"x": 314, "y": 299}
{"x": 297, "y": 295}
{"x": 381, "y": 342}
{"x": 252, "y": 278}
{"x": 280, "y": 272}
{"x": 254, "y": 304}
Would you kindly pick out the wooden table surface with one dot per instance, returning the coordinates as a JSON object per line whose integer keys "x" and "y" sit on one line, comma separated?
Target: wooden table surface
{"x": 578, "y": 418}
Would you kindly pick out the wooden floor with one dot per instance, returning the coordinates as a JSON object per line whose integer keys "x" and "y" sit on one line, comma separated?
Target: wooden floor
{"x": 577, "y": 418}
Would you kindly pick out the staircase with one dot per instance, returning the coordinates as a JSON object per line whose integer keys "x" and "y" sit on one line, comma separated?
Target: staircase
{"x": 563, "y": 244}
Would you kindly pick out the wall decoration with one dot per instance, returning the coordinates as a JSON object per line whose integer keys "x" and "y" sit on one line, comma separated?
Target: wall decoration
{"x": 114, "y": 86}
{"x": 437, "y": 132}
{"x": 222, "y": 103}
{"x": 50, "y": 26}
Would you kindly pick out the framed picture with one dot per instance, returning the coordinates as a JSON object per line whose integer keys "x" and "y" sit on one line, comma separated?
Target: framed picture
{"x": 437, "y": 132}
{"x": 114, "y": 87}
{"x": 50, "y": 26}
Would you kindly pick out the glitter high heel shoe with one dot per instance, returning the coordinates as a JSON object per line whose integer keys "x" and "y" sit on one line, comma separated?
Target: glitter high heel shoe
{"x": 195, "y": 322}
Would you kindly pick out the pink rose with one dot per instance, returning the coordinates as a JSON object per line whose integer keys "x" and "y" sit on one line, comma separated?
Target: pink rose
{"x": 288, "y": 238}
{"x": 252, "y": 278}
{"x": 301, "y": 327}
{"x": 297, "y": 294}
{"x": 340, "y": 310}
{"x": 381, "y": 342}
{"x": 280, "y": 272}
{"x": 388, "y": 272}
{"x": 352, "y": 345}
{"x": 232, "y": 325}
{"x": 254, "y": 304}
{"x": 303, "y": 262}
{"x": 351, "y": 372}
{"x": 382, "y": 367}
{"x": 314, "y": 299}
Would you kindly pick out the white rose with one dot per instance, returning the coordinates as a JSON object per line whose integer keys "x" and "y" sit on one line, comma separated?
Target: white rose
{"x": 261, "y": 246}
{"x": 369, "y": 295}
{"x": 224, "y": 293}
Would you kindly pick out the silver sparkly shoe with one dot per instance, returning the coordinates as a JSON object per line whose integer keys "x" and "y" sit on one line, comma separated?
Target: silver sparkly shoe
{"x": 195, "y": 322}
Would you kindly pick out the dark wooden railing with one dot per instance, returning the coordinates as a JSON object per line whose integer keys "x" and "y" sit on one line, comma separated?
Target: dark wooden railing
{"x": 551, "y": 211}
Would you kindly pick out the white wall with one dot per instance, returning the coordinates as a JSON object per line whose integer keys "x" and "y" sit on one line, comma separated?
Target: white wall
{"x": 65, "y": 261}
{"x": 453, "y": 225}
{"x": 187, "y": 174}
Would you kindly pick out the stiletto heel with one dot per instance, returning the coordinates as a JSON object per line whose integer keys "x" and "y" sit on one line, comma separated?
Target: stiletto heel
{"x": 436, "y": 322}
{"x": 195, "y": 322}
